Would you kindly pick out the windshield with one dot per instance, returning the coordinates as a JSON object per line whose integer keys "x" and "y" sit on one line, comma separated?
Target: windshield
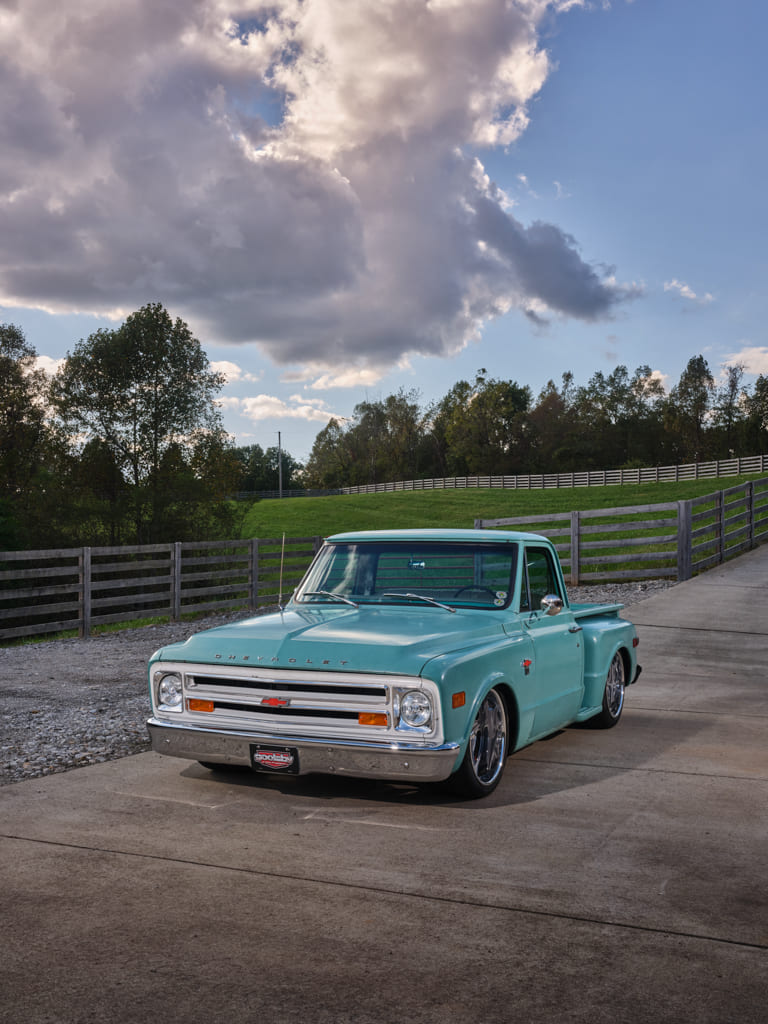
{"x": 386, "y": 572}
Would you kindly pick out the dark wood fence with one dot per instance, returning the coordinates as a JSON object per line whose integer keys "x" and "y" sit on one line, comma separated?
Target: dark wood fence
{"x": 673, "y": 540}
{"x": 52, "y": 591}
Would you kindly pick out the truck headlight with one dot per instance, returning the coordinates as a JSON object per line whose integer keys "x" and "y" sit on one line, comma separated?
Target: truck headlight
{"x": 169, "y": 690}
{"x": 415, "y": 709}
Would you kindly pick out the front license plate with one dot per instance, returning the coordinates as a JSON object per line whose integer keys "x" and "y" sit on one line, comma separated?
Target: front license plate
{"x": 284, "y": 760}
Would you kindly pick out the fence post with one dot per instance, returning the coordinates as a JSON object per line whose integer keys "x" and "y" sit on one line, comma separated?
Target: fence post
{"x": 720, "y": 506}
{"x": 253, "y": 574}
{"x": 750, "y": 502}
{"x": 176, "y": 581}
{"x": 575, "y": 548}
{"x": 684, "y": 540}
{"x": 84, "y": 629}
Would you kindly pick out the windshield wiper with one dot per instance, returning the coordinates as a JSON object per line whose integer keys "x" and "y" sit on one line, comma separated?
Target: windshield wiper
{"x": 423, "y": 597}
{"x": 330, "y": 593}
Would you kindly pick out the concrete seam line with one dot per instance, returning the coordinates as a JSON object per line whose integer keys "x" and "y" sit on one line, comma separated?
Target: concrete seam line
{"x": 403, "y": 894}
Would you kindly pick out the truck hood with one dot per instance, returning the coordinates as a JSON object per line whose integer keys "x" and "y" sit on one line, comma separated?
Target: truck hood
{"x": 394, "y": 640}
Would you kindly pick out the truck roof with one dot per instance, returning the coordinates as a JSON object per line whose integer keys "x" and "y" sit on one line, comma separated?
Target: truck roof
{"x": 451, "y": 535}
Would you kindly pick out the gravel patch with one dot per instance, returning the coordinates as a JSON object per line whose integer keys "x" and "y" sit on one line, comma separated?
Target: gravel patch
{"x": 69, "y": 703}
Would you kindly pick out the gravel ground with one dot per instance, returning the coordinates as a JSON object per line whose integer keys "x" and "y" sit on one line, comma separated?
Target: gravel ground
{"x": 69, "y": 703}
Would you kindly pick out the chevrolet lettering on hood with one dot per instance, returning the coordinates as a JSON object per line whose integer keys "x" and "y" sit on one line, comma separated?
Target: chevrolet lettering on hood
{"x": 406, "y": 655}
{"x": 261, "y": 660}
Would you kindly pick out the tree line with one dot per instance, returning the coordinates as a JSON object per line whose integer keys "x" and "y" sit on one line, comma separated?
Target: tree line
{"x": 125, "y": 443}
{"x": 492, "y": 427}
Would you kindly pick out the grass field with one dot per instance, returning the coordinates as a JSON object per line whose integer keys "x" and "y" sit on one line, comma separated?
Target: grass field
{"x": 309, "y": 517}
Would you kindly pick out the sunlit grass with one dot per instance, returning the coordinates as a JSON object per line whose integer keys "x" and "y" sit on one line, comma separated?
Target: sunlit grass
{"x": 309, "y": 517}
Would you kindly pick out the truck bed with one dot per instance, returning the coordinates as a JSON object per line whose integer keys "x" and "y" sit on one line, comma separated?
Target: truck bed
{"x": 586, "y": 611}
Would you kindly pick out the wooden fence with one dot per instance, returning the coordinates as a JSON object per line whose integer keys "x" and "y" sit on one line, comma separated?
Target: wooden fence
{"x": 673, "y": 540}
{"x": 588, "y": 478}
{"x": 78, "y": 588}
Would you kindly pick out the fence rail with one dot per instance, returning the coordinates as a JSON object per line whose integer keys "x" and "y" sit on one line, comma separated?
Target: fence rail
{"x": 591, "y": 478}
{"x": 640, "y": 542}
{"x": 63, "y": 589}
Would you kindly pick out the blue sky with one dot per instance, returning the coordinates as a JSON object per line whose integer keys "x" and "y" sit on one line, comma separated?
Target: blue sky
{"x": 643, "y": 151}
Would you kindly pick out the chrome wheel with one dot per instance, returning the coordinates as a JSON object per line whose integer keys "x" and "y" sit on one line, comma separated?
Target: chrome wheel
{"x": 613, "y": 695}
{"x": 483, "y": 762}
{"x": 613, "y": 700}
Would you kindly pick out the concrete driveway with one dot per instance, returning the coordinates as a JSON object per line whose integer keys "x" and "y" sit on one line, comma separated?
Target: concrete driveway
{"x": 614, "y": 876}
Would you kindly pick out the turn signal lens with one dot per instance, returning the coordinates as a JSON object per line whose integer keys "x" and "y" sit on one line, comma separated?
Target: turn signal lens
{"x": 372, "y": 718}
{"x": 458, "y": 700}
{"x": 200, "y": 705}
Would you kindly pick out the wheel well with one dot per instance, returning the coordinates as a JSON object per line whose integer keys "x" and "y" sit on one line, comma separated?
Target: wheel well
{"x": 513, "y": 715}
{"x": 627, "y": 663}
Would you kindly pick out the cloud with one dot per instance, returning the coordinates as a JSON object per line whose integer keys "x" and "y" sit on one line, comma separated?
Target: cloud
{"x": 49, "y": 365}
{"x": 686, "y": 292}
{"x": 265, "y": 407}
{"x": 754, "y": 359}
{"x": 299, "y": 174}
{"x": 233, "y": 372}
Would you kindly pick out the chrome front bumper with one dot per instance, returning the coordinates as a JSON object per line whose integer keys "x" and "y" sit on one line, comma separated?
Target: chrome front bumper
{"x": 397, "y": 762}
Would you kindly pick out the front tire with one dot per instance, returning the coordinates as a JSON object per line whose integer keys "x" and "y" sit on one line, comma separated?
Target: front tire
{"x": 483, "y": 764}
{"x": 613, "y": 695}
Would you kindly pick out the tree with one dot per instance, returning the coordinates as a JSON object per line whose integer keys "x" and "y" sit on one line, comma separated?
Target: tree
{"x": 730, "y": 410}
{"x": 688, "y": 409}
{"x": 554, "y": 440}
{"x": 261, "y": 470}
{"x": 328, "y": 466}
{"x": 757, "y": 416}
{"x": 486, "y": 426}
{"x": 141, "y": 391}
{"x": 26, "y": 441}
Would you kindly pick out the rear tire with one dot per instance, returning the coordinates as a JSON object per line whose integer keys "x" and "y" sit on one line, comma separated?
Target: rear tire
{"x": 486, "y": 754}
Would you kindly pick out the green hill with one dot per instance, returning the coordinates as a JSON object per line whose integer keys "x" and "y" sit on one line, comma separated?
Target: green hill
{"x": 309, "y": 517}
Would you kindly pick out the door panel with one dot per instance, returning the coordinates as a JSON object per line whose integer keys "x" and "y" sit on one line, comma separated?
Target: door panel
{"x": 558, "y": 663}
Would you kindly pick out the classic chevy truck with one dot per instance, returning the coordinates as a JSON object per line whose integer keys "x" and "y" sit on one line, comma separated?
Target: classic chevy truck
{"x": 408, "y": 655}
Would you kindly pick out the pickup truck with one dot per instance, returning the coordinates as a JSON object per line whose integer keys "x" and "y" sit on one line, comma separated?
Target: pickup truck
{"x": 407, "y": 655}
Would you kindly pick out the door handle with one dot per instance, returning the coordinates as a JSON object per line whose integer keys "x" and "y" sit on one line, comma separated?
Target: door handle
{"x": 574, "y": 629}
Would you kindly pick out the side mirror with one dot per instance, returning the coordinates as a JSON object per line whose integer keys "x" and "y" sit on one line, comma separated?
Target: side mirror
{"x": 551, "y": 604}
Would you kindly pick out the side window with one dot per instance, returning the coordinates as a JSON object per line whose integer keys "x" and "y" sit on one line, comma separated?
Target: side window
{"x": 540, "y": 578}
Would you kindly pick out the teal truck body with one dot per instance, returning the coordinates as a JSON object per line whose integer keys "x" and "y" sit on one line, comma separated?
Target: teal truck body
{"x": 408, "y": 655}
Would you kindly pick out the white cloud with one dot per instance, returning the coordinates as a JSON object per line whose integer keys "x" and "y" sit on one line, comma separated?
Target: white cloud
{"x": 230, "y": 402}
{"x": 233, "y": 372}
{"x": 754, "y": 359}
{"x": 264, "y": 407}
{"x": 49, "y": 365}
{"x": 686, "y": 292}
{"x": 297, "y": 174}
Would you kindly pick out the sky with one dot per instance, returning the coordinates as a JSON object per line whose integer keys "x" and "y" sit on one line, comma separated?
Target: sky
{"x": 346, "y": 199}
